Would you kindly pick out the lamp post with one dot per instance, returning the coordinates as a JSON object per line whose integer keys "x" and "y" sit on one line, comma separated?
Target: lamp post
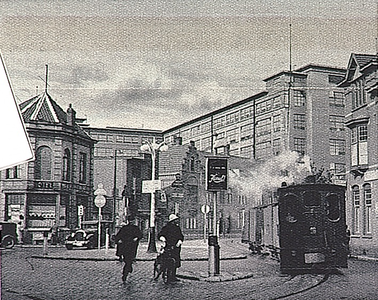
{"x": 153, "y": 148}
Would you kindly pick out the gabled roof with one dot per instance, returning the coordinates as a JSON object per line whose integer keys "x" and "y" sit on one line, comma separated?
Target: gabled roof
{"x": 357, "y": 62}
{"x": 43, "y": 108}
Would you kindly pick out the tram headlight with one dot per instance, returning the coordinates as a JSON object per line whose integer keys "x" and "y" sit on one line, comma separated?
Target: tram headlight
{"x": 293, "y": 253}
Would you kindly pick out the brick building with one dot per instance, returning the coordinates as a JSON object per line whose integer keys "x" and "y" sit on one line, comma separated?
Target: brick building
{"x": 361, "y": 90}
{"x": 46, "y": 193}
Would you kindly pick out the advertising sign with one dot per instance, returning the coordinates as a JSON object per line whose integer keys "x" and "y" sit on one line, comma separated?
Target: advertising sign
{"x": 216, "y": 174}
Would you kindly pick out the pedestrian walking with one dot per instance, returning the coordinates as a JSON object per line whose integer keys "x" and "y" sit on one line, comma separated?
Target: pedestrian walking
{"x": 127, "y": 240}
{"x": 171, "y": 234}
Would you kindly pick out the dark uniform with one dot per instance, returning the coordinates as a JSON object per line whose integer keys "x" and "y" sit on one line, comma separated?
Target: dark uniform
{"x": 127, "y": 239}
{"x": 172, "y": 233}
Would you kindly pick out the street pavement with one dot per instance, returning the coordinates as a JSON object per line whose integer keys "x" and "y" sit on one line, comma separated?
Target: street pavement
{"x": 28, "y": 273}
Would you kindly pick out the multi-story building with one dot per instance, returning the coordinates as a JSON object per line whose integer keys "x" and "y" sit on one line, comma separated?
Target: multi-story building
{"x": 46, "y": 193}
{"x": 301, "y": 111}
{"x": 361, "y": 95}
{"x": 120, "y": 165}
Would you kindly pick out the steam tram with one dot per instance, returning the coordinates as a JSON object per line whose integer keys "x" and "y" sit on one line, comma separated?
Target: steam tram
{"x": 312, "y": 228}
{"x": 304, "y": 228}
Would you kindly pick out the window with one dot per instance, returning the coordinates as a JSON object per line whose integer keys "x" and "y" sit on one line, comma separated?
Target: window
{"x": 300, "y": 145}
{"x": 333, "y": 209}
{"x": 263, "y": 150}
{"x": 367, "y": 209}
{"x": 356, "y": 209}
{"x": 12, "y": 173}
{"x": 337, "y": 170}
{"x": 337, "y": 147}
{"x": 299, "y": 98}
{"x": 219, "y": 122}
{"x": 337, "y": 99}
{"x": 83, "y": 168}
{"x": 276, "y": 102}
{"x": 336, "y": 123}
{"x": 233, "y": 136}
{"x": 263, "y": 107}
{"x": 358, "y": 94}
{"x": 299, "y": 121}
{"x": 276, "y": 147}
{"x": 191, "y": 223}
{"x": 277, "y": 123}
{"x": 359, "y": 148}
{"x": 246, "y": 113}
{"x": 263, "y": 127}
{"x": 206, "y": 144}
{"x": 43, "y": 163}
{"x": 67, "y": 165}
{"x": 206, "y": 127}
{"x": 246, "y": 132}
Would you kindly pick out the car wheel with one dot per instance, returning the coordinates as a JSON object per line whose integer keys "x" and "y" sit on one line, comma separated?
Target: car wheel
{"x": 8, "y": 242}
{"x": 69, "y": 246}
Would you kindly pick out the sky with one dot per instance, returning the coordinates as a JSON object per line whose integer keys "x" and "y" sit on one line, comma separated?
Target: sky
{"x": 157, "y": 64}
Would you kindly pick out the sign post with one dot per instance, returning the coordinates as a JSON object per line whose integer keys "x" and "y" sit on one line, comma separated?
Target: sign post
{"x": 100, "y": 202}
{"x": 216, "y": 181}
{"x": 205, "y": 209}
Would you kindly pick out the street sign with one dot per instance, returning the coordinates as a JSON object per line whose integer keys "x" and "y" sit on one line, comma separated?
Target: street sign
{"x": 100, "y": 201}
{"x": 150, "y": 186}
{"x": 216, "y": 174}
{"x": 205, "y": 209}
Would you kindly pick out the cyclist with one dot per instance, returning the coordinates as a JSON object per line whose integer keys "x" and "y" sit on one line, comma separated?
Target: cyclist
{"x": 171, "y": 234}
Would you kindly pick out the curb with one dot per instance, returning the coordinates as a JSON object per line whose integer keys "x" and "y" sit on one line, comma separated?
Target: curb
{"x": 137, "y": 259}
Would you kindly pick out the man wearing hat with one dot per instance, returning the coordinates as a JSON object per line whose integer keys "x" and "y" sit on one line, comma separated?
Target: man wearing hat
{"x": 171, "y": 234}
{"x": 127, "y": 240}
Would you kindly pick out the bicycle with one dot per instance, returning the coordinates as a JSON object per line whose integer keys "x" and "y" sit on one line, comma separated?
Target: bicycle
{"x": 165, "y": 264}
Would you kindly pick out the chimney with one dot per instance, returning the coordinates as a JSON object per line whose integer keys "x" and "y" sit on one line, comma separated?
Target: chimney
{"x": 71, "y": 115}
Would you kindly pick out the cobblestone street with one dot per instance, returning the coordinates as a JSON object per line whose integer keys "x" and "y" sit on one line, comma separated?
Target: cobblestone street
{"x": 96, "y": 275}
{"x": 24, "y": 277}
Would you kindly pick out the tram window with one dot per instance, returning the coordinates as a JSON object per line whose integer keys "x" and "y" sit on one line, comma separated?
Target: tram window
{"x": 332, "y": 204}
{"x": 291, "y": 208}
{"x": 311, "y": 198}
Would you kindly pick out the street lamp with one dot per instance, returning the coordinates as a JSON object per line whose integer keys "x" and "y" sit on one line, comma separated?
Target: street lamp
{"x": 153, "y": 148}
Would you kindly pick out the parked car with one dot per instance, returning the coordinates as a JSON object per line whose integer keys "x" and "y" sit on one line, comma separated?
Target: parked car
{"x": 87, "y": 236}
{"x": 8, "y": 234}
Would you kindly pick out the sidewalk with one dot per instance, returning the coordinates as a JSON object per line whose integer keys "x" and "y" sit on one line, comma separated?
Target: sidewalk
{"x": 231, "y": 250}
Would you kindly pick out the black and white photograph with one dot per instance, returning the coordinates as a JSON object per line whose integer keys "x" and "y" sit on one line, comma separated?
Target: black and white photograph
{"x": 167, "y": 149}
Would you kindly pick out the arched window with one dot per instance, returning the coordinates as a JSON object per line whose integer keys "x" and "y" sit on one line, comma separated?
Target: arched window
{"x": 356, "y": 208}
{"x": 43, "y": 163}
{"x": 367, "y": 209}
{"x": 67, "y": 165}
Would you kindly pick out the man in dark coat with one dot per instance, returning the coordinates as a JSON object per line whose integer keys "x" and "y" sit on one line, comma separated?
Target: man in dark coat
{"x": 127, "y": 240}
{"x": 171, "y": 234}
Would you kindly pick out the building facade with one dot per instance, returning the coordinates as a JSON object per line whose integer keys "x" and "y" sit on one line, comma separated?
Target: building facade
{"x": 46, "y": 194}
{"x": 121, "y": 166}
{"x": 299, "y": 111}
{"x": 361, "y": 89}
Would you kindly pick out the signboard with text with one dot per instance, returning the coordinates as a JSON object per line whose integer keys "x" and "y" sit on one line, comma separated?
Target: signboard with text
{"x": 150, "y": 186}
{"x": 216, "y": 174}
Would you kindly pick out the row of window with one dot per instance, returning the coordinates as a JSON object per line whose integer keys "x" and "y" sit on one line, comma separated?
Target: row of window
{"x": 43, "y": 166}
{"x": 126, "y": 139}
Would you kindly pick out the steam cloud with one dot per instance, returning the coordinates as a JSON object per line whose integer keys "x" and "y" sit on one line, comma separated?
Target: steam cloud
{"x": 287, "y": 167}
